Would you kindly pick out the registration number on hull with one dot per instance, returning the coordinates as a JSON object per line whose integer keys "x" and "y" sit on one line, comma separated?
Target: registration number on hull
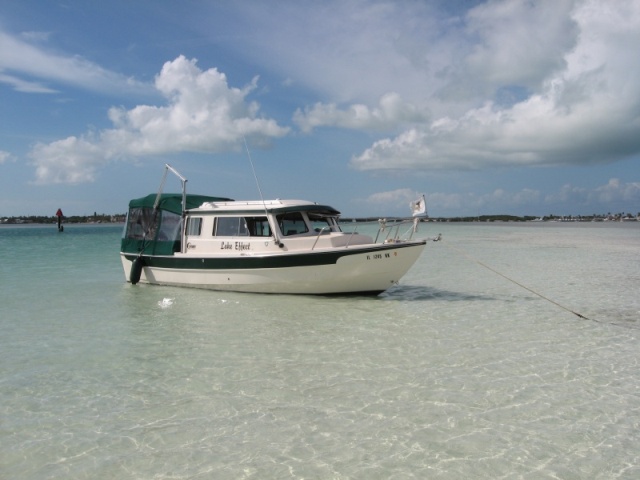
{"x": 380, "y": 256}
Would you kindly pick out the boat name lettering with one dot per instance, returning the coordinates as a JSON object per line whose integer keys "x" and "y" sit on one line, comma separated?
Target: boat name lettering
{"x": 243, "y": 246}
{"x": 240, "y": 246}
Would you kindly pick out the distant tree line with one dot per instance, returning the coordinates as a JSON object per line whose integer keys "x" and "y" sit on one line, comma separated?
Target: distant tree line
{"x": 42, "y": 219}
{"x": 120, "y": 218}
{"x": 514, "y": 218}
{"x": 488, "y": 218}
{"x": 547, "y": 218}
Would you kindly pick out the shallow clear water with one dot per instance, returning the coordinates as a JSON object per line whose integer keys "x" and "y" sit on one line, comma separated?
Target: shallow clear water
{"x": 456, "y": 373}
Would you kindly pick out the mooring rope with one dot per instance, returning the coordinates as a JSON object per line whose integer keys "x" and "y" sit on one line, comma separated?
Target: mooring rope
{"x": 462, "y": 252}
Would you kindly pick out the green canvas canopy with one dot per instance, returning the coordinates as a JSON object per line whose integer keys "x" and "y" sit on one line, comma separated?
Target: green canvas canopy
{"x": 158, "y": 232}
{"x": 172, "y": 202}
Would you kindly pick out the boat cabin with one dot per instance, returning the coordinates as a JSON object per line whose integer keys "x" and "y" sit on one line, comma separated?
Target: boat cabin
{"x": 215, "y": 224}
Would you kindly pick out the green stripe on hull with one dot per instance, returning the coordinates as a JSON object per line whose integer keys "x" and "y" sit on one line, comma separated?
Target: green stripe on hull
{"x": 280, "y": 260}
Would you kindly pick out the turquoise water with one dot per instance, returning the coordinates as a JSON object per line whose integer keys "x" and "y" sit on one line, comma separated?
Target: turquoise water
{"x": 456, "y": 373}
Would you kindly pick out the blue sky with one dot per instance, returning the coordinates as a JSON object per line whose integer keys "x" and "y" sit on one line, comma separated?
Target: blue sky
{"x": 487, "y": 107}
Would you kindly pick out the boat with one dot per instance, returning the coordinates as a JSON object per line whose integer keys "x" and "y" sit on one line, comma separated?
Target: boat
{"x": 260, "y": 246}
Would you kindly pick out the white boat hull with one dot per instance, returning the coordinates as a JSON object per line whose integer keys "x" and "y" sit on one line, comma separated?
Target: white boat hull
{"x": 362, "y": 269}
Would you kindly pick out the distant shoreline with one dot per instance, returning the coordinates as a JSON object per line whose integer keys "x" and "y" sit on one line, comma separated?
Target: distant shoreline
{"x": 119, "y": 219}
{"x": 55, "y": 225}
{"x": 71, "y": 220}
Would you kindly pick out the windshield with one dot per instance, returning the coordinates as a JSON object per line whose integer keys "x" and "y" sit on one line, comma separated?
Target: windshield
{"x": 292, "y": 223}
{"x": 323, "y": 223}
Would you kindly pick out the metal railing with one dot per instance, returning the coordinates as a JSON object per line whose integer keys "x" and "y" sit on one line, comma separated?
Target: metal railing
{"x": 393, "y": 235}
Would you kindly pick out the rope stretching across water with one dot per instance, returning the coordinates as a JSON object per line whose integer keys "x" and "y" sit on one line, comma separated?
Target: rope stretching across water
{"x": 462, "y": 252}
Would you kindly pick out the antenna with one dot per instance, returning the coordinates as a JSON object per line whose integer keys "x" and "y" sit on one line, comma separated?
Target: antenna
{"x": 264, "y": 204}
{"x": 254, "y": 171}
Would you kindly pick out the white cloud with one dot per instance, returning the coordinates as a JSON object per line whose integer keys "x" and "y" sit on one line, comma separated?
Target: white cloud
{"x": 390, "y": 113}
{"x": 443, "y": 60}
{"x": 518, "y": 43}
{"x": 71, "y": 160}
{"x": 505, "y": 83}
{"x": 441, "y": 204}
{"x": 616, "y": 191}
{"x": 608, "y": 196}
{"x": 499, "y": 201}
{"x": 540, "y": 83}
{"x": 398, "y": 201}
{"x": 34, "y": 36}
{"x": 399, "y": 196}
{"x": 5, "y": 157}
{"x": 21, "y": 61}
{"x": 601, "y": 199}
{"x": 350, "y": 51}
{"x": 25, "y": 86}
{"x": 202, "y": 114}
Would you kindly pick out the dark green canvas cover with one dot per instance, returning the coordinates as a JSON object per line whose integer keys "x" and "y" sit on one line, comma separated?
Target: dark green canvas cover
{"x": 158, "y": 232}
{"x": 172, "y": 202}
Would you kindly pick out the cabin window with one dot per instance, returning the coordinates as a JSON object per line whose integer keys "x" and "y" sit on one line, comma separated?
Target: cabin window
{"x": 292, "y": 223}
{"x": 258, "y": 226}
{"x": 241, "y": 227}
{"x": 231, "y": 227}
{"x": 319, "y": 223}
{"x": 194, "y": 226}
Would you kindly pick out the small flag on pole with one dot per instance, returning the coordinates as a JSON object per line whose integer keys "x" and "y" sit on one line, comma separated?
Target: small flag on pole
{"x": 419, "y": 207}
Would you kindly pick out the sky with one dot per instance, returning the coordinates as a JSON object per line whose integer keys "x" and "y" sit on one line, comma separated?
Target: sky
{"x": 486, "y": 107}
